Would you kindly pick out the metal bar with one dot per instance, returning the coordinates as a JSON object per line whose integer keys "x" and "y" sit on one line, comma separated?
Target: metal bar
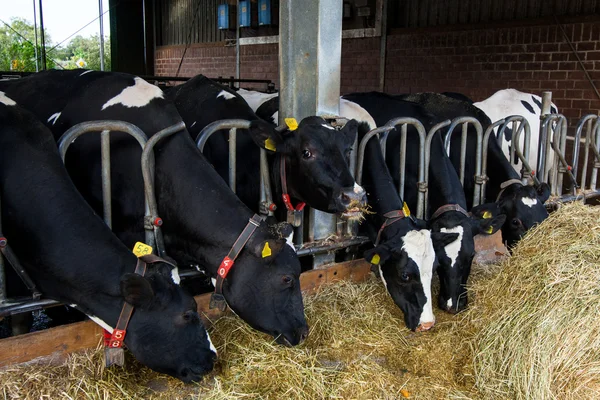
{"x": 586, "y": 120}
{"x": 232, "y": 158}
{"x": 383, "y": 45}
{"x": 2, "y": 270}
{"x": 402, "y": 171}
{"x": 102, "y": 34}
{"x": 524, "y": 126}
{"x": 237, "y": 40}
{"x": 543, "y": 145}
{"x": 312, "y": 249}
{"x": 352, "y": 226}
{"x": 25, "y": 305}
{"x": 266, "y": 195}
{"x": 106, "y": 178}
{"x": 594, "y": 143}
{"x": 463, "y": 152}
{"x": 42, "y": 38}
{"x": 434, "y": 129}
{"x": 484, "y": 156}
{"x": 148, "y": 175}
{"x": 222, "y": 124}
{"x": 561, "y": 151}
{"x": 37, "y": 62}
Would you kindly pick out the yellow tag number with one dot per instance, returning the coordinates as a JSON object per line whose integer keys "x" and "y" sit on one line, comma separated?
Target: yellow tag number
{"x": 487, "y": 215}
{"x": 141, "y": 249}
{"x": 406, "y": 210}
{"x": 291, "y": 123}
{"x": 266, "y": 251}
{"x": 270, "y": 145}
{"x": 375, "y": 260}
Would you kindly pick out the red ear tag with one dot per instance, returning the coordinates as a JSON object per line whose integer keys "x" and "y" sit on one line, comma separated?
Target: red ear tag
{"x": 225, "y": 266}
{"x": 117, "y": 337}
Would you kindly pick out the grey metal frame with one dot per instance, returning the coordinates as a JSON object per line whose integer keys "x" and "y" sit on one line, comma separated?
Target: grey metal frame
{"x": 383, "y": 131}
{"x": 592, "y": 140}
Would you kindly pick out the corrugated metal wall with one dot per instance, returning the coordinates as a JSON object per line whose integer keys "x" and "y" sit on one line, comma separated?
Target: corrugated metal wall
{"x": 175, "y": 17}
{"x": 425, "y": 13}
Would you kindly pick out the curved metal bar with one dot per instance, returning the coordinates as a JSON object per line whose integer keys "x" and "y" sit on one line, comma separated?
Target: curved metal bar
{"x": 465, "y": 121}
{"x": 595, "y": 143}
{"x": 559, "y": 145}
{"x": 589, "y": 120}
{"x": 434, "y": 129}
{"x": 213, "y": 127}
{"x": 105, "y": 127}
{"x": 526, "y": 171}
{"x": 361, "y": 150}
{"x": 486, "y": 139}
{"x": 148, "y": 175}
{"x": 544, "y": 146}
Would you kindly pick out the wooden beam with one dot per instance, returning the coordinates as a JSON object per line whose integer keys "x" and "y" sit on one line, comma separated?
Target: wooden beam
{"x": 57, "y": 342}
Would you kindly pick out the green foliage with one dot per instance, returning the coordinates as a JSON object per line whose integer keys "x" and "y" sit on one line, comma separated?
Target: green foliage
{"x": 17, "y": 50}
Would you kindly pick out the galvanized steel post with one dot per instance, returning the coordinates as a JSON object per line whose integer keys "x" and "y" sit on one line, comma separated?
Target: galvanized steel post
{"x": 486, "y": 140}
{"x": 310, "y": 47}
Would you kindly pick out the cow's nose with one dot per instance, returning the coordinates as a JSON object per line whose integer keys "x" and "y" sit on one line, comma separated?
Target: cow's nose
{"x": 302, "y": 334}
{"x": 355, "y": 196}
{"x": 425, "y": 326}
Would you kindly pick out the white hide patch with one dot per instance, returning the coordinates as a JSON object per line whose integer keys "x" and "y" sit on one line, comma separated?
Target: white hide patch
{"x": 54, "y": 117}
{"x": 86, "y": 72}
{"x": 351, "y": 110}
{"x": 290, "y": 241}
{"x": 256, "y": 99}
{"x": 328, "y": 127}
{"x": 212, "y": 346}
{"x": 452, "y": 249}
{"x": 175, "y": 275}
{"x": 226, "y": 95}
{"x": 7, "y": 101}
{"x": 138, "y": 95}
{"x": 214, "y": 281}
{"x": 529, "y": 202}
{"x": 382, "y": 278}
{"x": 358, "y": 189}
{"x": 275, "y": 117}
{"x": 101, "y": 323}
{"x": 449, "y": 304}
{"x": 193, "y": 123}
{"x": 419, "y": 247}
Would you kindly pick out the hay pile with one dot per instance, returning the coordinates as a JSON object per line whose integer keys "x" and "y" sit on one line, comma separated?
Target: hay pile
{"x": 537, "y": 339}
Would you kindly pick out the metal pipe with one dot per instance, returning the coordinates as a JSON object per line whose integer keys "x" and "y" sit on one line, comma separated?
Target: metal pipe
{"x": 586, "y": 120}
{"x": 42, "y": 39}
{"x": 312, "y": 249}
{"x": 213, "y": 127}
{"x": 148, "y": 175}
{"x": 434, "y": 129}
{"x": 543, "y": 145}
{"x": 237, "y": 41}
{"x": 106, "y": 178}
{"x": 594, "y": 144}
{"x": 266, "y": 195}
{"x": 102, "y": 36}
{"x": 484, "y": 155}
{"x": 562, "y": 151}
{"x": 232, "y": 158}
{"x": 402, "y": 166}
{"x": 37, "y": 65}
{"x": 524, "y": 126}
{"x": 2, "y": 270}
{"x": 26, "y": 305}
{"x": 383, "y": 45}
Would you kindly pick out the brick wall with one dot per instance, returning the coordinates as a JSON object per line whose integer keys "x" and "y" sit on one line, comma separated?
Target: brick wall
{"x": 474, "y": 61}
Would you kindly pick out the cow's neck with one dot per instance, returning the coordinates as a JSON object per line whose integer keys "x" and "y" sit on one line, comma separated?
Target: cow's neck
{"x": 444, "y": 184}
{"x": 498, "y": 171}
{"x": 203, "y": 218}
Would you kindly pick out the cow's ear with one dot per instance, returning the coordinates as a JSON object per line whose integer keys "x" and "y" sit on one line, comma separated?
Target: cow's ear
{"x": 543, "y": 192}
{"x": 136, "y": 290}
{"x": 377, "y": 256}
{"x": 350, "y": 130}
{"x": 487, "y": 226}
{"x": 266, "y": 136}
{"x": 268, "y": 248}
{"x": 442, "y": 239}
{"x": 486, "y": 211}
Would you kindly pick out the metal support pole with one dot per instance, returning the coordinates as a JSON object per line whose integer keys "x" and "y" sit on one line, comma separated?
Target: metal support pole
{"x": 237, "y": 41}
{"x": 232, "y": 158}
{"x": 310, "y": 49}
{"x": 383, "y": 45}
{"x": 106, "y": 178}
{"x": 42, "y": 37}
{"x": 102, "y": 37}
{"x": 35, "y": 49}
{"x": 544, "y": 142}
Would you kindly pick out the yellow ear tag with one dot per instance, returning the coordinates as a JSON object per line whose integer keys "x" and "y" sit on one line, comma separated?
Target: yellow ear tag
{"x": 375, "y": 260}
{"x": 291, "y": 124}
{"x": 490, "y": 230}
{"x": 270, "y": 144}
{"x": 487, "y": 215}
{"x": 141, "y": 249}
{"x": 266, "y": 252}
{"x": 406, "y": 210}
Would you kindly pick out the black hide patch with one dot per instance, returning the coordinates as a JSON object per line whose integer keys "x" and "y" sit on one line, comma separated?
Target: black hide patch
{"x": 528, "y": 106}
{"x": 537, "y": 102}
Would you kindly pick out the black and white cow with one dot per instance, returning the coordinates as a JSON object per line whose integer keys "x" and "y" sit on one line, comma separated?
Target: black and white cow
{"x": 404, "y": 256}
{"x": 74, "y": 258}
{"x": 508, "y": 102}
{"x": 445, "y": 194}
{"x": 315, "y": 154}
{"x": 203, "y": 218}
{"x": 522, "y": 205}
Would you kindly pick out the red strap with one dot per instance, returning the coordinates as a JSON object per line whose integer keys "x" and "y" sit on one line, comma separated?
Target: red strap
{"x": 286, "y": 197}
{"x": 225, "y": 266}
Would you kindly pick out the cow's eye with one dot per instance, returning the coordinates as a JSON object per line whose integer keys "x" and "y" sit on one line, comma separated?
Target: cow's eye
{"x": 287, "y": 280}
{"x": 405, "y": 277}
{"x": 515, "y": 222}
{"x": 189, "y": 316}
{"x": 306, "y": 154}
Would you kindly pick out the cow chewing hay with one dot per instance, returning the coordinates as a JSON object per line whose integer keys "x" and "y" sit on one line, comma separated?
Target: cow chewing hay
{"x": 531, "y": 332}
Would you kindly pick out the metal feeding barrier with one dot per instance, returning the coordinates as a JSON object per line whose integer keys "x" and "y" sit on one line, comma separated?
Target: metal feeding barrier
{"x": 591, "y": 123}
{"x": 152, "y": 222}
{"x": 384, "y": 133}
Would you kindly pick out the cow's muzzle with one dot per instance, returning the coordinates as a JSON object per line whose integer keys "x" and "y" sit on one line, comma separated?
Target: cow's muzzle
{"x": 425, "y": 326}
{"x": 352, "y": 202}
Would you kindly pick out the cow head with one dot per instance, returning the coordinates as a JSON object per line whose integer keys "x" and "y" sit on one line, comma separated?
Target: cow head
{"x": 455, "y": 256}
{"x": 165, "y": 332}
{"x": 523, "y": 206}
{"x": 316, "y": 164}
{"x": 263, "y": 288}
{"x": 405, "y": 261}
